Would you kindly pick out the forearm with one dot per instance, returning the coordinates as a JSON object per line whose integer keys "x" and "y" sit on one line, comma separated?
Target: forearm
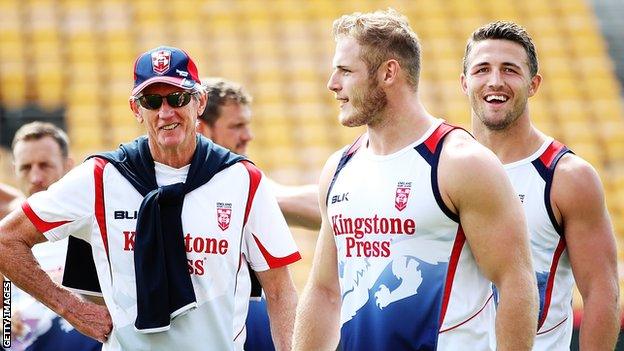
{"x": 601, "y": 320}
{"x": 300, "y": 206}
{"x": 281, "y": 309}
{"x": 21, "y": 267}
{"x": 318, "y": 321}
{"x": 516, "y": 315}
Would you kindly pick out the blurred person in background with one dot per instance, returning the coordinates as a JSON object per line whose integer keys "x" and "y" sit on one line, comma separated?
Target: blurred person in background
{"x": 227, "y": 121}
{"x": 170, "y": 274}
{"x": 570, "y": 230}
{"x": 41, "y": 157}
{"x": 418, "y": 218}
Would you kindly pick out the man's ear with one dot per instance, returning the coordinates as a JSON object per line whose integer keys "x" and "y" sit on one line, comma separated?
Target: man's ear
{"x": 136, "y": 109}
{"x": 464, "y": 84}
{"x": 389, "y": 71}
{"x": 536, "y": 81}
{"x": 203, "y": 100}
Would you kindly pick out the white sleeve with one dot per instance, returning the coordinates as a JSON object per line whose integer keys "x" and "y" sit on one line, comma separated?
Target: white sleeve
{"x": 67, "y": 207}
{"x": 267, "y": 237}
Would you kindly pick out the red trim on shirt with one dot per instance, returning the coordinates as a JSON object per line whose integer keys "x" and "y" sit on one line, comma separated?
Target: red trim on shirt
{"x": 254, "y": 180}
{"x": 551, "y": 281}
{"x": 100, "y": 212}
{"x": 553, "y": 328}
{"x": 39, "y": 223}
{"x": 551, "y": 152}
{"x": 437, "y": 135}
{"x": 470, "y": 318}
{"x": 460, "y": 239}
{"x": 275, "y": 262}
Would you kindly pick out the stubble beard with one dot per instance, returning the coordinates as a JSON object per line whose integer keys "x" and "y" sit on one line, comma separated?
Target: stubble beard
{"x": 368, "y": 106}
{"x": 510, "y": 117}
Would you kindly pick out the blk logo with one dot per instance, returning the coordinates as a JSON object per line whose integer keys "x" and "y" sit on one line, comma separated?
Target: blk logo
{"x": 340, "y": 198}
{"x": 125, "y": 214}
{"x": 521, "y": 196}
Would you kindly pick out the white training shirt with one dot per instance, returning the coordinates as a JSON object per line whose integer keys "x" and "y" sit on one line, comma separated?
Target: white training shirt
{"x": 532, "y": 178}
{"x": 222, "y": 229}
{"x": 407, "y": 276}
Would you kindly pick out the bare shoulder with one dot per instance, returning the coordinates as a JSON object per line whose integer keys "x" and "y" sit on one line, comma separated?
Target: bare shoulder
{"x": 462, "y": 150}
{"x": 464, "y": 159}
{"x": 576, "y": 184}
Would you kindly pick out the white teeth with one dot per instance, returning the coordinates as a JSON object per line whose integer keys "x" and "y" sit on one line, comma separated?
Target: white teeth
{"x": 490, "y": 98}
{"x": 170, "y": 126}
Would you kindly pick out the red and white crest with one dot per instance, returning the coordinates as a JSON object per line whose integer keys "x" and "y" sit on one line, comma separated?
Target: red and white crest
{"x": 402, "y": 195}
{"x": 224, "y": 215}
{"x": 161, "y": 61}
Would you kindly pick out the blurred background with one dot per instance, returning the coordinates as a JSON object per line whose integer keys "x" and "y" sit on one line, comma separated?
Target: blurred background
{"x": 70, "y": 62}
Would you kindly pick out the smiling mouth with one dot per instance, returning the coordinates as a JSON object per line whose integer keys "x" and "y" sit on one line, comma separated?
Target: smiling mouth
{"x": 171, "y": 126}
{"x": 496, "y": 99}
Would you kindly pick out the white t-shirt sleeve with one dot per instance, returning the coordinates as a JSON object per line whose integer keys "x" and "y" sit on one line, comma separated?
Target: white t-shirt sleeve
{"x": 267, "y": 237}
{"x": 67, "y": 207}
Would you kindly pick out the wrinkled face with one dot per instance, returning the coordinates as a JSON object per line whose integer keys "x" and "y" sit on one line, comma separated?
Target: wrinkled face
{"x": 498, "y": 82}
{"x": 232, "y": 129}
{"x": 39, "y": 163}
{"x": 169, "y": 128}
{"x": 361, "y": 98}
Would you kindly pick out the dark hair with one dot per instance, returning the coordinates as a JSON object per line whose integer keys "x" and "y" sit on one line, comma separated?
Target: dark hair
{"x": 219, "y": 91}
{"x": 505, "y": 30}
{"x": 383, "y": 35}
{"x": 39, "y": 130}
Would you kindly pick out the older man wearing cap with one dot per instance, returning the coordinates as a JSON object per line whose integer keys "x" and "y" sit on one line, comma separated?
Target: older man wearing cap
{"x": 169, "y": 264}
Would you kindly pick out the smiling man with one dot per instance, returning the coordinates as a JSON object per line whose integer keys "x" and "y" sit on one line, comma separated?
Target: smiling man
{"x": 171, "y": 275}
{"x": 561, "y": 193}
{"x": 426, "y": 217}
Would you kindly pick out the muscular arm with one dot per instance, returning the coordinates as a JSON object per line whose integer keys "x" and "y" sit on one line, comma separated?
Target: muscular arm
{"x": 318, "y": 314}
{"x": 578, "y": 197}
{"x": 476, "y": 187}
{"x": 299, "y": 204}
{"x": 17, "y": 236}
{"x": 281, "y": 303}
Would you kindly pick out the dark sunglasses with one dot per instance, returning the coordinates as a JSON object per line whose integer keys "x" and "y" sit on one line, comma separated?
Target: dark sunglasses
{"x": 154, "y": 101}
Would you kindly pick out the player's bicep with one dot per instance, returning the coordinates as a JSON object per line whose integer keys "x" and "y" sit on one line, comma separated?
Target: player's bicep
{"x": 490, "y": 212}
{"x": 577, "y": 193}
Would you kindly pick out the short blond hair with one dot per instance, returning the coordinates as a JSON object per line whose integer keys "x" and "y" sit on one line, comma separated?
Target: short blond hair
{"x": 383, "y": 35}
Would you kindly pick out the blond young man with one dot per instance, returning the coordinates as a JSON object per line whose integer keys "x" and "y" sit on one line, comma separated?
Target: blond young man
{"x": 417, "y": 217}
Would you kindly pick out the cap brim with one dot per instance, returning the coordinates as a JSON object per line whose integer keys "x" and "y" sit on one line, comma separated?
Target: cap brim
{"x": 178, "y": 82}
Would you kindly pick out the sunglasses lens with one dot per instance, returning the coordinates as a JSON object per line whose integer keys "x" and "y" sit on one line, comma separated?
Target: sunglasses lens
{"x": 154, "y": 101}
{"x": 178, "y": 99}
{"x": 151, "y": 101}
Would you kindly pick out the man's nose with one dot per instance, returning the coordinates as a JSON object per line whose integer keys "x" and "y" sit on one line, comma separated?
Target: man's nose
{"x": 333, "y": 84}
